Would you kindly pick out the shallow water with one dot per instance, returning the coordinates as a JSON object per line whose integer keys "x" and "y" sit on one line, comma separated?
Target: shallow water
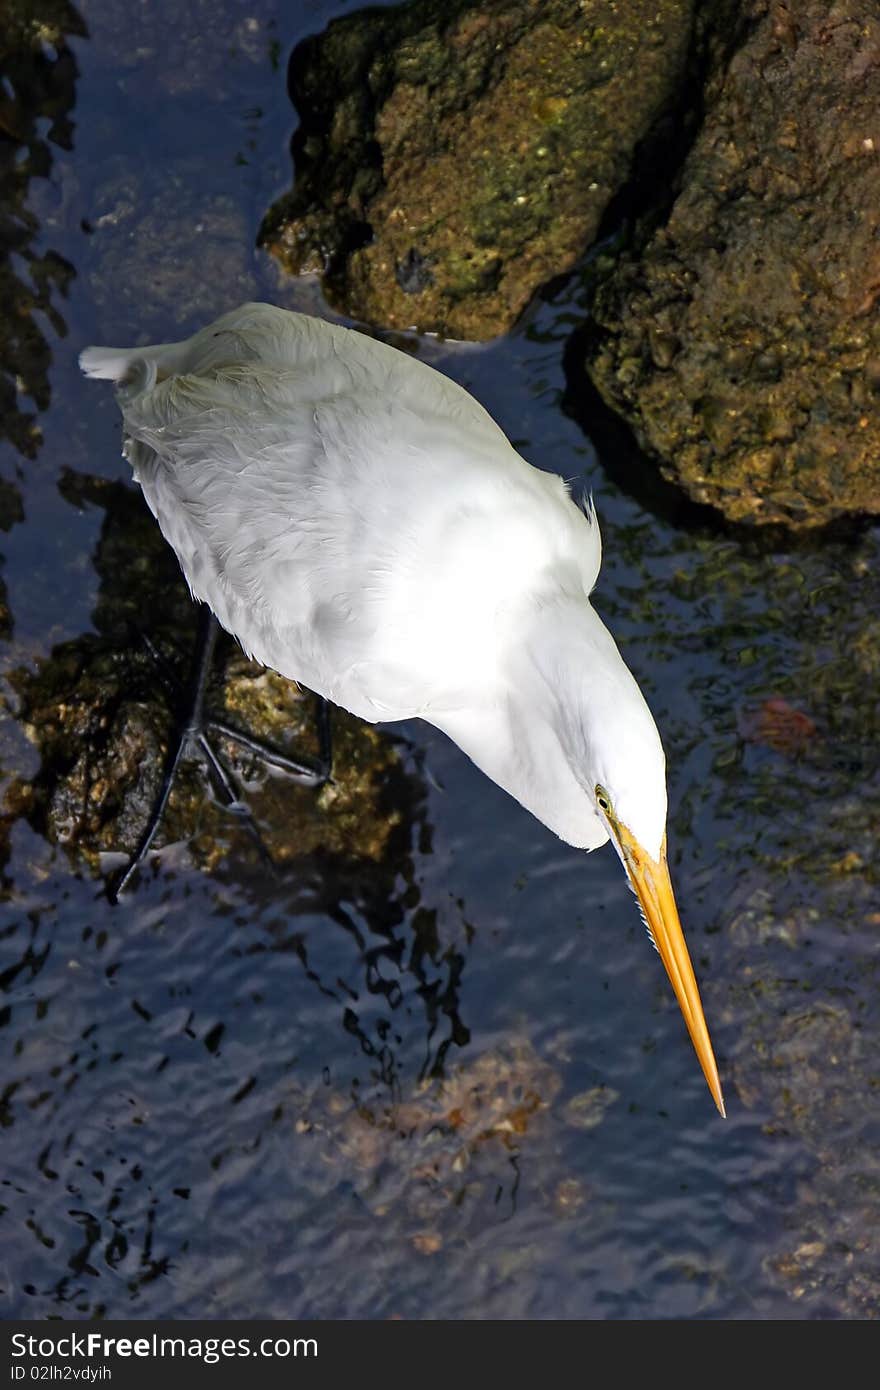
{"x": 461, "y": 1089}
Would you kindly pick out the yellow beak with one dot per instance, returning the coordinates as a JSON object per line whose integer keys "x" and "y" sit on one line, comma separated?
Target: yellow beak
{"x": 653, "y": 887}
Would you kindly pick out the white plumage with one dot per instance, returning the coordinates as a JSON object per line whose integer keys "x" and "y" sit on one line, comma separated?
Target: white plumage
{"x": 361, "y": 525}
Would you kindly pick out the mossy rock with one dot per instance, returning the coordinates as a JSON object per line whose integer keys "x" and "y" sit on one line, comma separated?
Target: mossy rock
{"x": 741, "y": 341}
{"x": 453, "y": 156}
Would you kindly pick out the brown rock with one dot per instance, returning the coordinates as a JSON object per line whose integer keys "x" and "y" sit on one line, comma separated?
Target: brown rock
{"x": 452, "y": 157}
{"x": 765, "y": 277}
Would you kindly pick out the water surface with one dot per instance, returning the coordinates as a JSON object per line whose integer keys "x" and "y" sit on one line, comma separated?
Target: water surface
{"x": 461, "y": 1087}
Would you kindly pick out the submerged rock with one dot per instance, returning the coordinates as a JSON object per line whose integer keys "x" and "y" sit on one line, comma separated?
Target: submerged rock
{"x": 807, "y": 1075}
{"x": 742, "y": 342}
{"x": 132, "y": 227}
{"x": 417, "y": 1156}
{"x": 454, "y": 156}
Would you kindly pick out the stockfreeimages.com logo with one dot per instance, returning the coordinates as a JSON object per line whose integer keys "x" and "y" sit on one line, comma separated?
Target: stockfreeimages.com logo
{"x": 95, "y": 1346}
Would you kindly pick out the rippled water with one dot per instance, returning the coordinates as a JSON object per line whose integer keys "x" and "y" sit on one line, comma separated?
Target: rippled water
{"x": 460, "y": 1087}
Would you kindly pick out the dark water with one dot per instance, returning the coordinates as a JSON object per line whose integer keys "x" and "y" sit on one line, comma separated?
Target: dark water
{"x": 218, "y": 1098}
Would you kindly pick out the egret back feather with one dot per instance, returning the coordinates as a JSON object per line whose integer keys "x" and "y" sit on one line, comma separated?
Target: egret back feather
{"x": 262, "y": 446}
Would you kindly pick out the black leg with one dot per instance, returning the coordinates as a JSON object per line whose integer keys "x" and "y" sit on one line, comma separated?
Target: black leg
{"x": 325, "y": 742}
{"x": 117, "y": 883}
{"x": 192, "y": 728}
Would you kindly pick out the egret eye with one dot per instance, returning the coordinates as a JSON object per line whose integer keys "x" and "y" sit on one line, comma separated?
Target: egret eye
{"x": 603, "y": 800}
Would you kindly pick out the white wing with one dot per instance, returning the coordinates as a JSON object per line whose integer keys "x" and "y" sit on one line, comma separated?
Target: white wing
{"x": 354, "y": 517}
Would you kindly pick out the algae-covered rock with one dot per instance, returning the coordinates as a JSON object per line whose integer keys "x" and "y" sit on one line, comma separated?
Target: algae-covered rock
{"x": 420, "y": 1152}
{"x": 781, "y": 823}
{"x": 453, "y": 156}
{"x": 742, "y": 342}
{"x": 794, "y": 986}
{"x": 100, "y": 709}
{"x": 807, "y": 1074}
{"x": 36, "y": 98}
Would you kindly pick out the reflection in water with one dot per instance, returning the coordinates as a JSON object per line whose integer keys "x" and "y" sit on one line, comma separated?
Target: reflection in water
{"x": 11, "y": 511}
{"x": 200, "y": 1127}
{"x": 36, "y": 96}
{"x": 37, "y": 92}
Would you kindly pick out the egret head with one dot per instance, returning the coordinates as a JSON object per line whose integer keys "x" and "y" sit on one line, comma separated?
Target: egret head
{"x": 626, "y": 781}
{"x": 623, "y": 753}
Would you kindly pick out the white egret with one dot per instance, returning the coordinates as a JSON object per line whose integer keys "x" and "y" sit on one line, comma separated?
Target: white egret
{"x": 361, "y": 525}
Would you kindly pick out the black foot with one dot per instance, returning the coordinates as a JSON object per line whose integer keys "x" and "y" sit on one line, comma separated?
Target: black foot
{"x": 192, "y": 728}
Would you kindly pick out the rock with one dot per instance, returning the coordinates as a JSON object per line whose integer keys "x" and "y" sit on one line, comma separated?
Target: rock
{"x": 421, "y": 1150}
{"x": 742, "y": 341}
{"x": 807, "y": 1076}
{"x": 588, "y": 1110}
{"x": 453, "y": 156}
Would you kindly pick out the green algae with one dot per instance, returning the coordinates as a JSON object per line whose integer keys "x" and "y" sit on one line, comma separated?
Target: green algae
{"x": 454, "y": 157}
